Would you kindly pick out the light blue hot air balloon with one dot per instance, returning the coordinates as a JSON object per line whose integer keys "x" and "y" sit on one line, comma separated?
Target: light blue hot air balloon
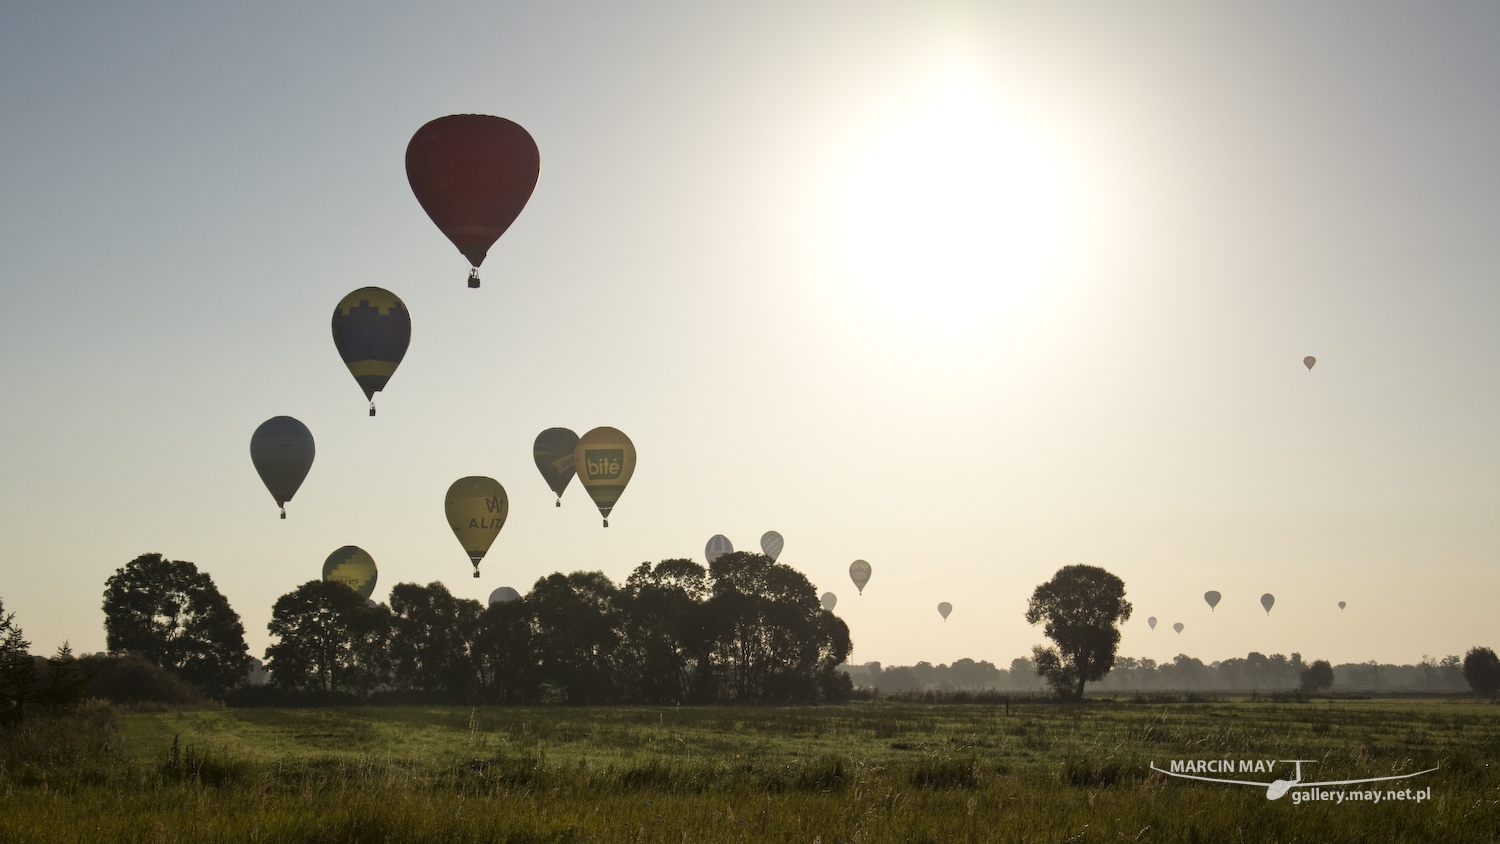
{"x": 830, "y": 601}
{"x": 771, "y": 544}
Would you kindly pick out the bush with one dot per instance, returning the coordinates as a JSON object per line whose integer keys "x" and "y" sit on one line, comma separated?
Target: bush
{"x": 1482, "y": 670}
{"x": 133, "y": 679}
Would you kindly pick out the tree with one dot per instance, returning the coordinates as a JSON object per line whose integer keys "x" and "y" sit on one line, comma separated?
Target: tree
{"x": 503, "y": 649}
{"x": 1482, "y": 670}
{"x": 18, "y": 674}
{"x": 328, "y": 639}
{"x": 666, "y": 650}
{"x": 433, "y": 639}
{"x": 1316, "y": 676}
{"x": 1082, "y": 607}
{"x": 577, "y": 624}
{"x": 172, "y": 614}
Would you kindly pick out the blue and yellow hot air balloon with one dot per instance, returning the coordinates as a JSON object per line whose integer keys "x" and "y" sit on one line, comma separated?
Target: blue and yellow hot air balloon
{"x": 354, "y": 567}
{"x": 371, "y": 328}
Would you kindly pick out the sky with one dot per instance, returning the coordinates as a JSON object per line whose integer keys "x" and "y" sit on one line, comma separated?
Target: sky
{"x": 969, "y": 291}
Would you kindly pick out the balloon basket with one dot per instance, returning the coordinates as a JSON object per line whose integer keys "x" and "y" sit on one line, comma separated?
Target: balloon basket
{"x": 606, "y": 522}
{"x": 372, "y": 408}
{"x": 474, "y": 278}
{"x": 559, "y": 503}
{"x": 476, "y": 574}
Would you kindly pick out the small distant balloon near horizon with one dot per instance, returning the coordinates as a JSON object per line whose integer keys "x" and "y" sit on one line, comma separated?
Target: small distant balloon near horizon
{"x": 1341, "y": 604}
{"x": 1178, "y": 627}
{"x": 371, "y": 330}
{"x": 771, "y": 544}
{"x": 944, "y": 609}
{"x": 353, "y": 567}
{"x": 604, "y": 460}
{"x": 718, "y": 545}
{"x": 1212, "y": 598}
{"x": 859, "y": 572}
{"x": 476, "y": 508}
{"x": 830, "y": 601}
{"x": 504, "y": 595}
{"x": 1268, "y": 600}
{"x": 1309, "y": 361}
{"x": 370, "y": 602}
{"x": 553, "y": 454}
{"x": 282, "y": 450}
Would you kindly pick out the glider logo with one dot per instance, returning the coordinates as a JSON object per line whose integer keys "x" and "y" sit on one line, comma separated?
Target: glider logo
{"x": 1276, "y": 789}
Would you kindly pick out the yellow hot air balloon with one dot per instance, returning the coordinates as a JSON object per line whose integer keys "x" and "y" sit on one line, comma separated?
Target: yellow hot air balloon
{"x": 605, "y": 460}
{"x": 476, "y": 509}
{"x": 859, "y": 572}
{"x": 354, "y": 567}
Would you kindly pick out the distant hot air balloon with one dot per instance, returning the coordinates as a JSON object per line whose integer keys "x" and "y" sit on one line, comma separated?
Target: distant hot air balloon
{"x": 604, "y": 459}
{"x": 1268, "y": 600}
{"x": 473, "y": 174}
{"x": 1309, "y": 361}
{"x": 1212, "y": 598}
{"x": 553, "y": 453}
{"x": 771, "y": 544}
{"x": 1341, "y": 604}
{"x": 1177, "y": 627}
{"x": 354, "y": 568}
{"x": 718, "y": 545}
{"x": 282, "y": 450}
{"x": 476, "y": 508}
{"x": 944, "y": 608}
{"x": 370, "y": 602}
{"x": 830, "y": 601}
{"x": 504, "y": 595}
{"x": 1151, "y": 622}
{"x": 371, "y": 330}
{"x": 859, "y": 572}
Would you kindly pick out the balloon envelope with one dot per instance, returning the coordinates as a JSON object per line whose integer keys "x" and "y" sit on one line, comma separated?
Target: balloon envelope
{"x": 1268, "y": 600}
{"x": 718, "y": 545}
{"x": 771, "y": 544}
{"x": 1309, "y": 361}
{"x": 353, "y": 567}
{"x": 472, "y": 173}
{"x": 830, "y": 601}
{"x": 1341, "y": 604}
{"x": 859, "y": 572}
{"x": 282, "y": 450}
{"x": 371, "y": 330}
{"x": 944, "y": 608}
{"x": 1151, "y": 622}
{"x": 553, "y": 454}
{"x": 1212, "y": 598}
{"x": 504, "y": 595}
{"x": 604, "y": 459}
{"x": 476, "y": 508}
{"x": 1177, "y": 627}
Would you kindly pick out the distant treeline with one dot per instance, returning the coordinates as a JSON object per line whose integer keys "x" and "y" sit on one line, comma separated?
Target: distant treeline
{"x": 1255, "y": 672}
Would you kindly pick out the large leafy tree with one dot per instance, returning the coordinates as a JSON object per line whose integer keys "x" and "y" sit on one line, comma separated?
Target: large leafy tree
{"x": 328, "y": 639}
{"x": 666, "y": 649}
{"x": 1082, "y": 607}
{"x": 1482, "y": 670}
{"x": 507, "y": 660}
{"x": 577, "y": 628}
{"x": 433, "y": 640}
{"x": 172, "y": 614}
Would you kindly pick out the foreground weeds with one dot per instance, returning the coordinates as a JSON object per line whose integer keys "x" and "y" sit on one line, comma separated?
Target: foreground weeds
{"x": 874, "y": 772}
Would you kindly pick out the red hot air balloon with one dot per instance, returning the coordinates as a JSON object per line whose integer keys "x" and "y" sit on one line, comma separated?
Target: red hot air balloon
{"x": 473, "y": 174}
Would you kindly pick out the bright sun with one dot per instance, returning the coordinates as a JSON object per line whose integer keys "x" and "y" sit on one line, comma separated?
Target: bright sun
{"x": 952, "y": 209}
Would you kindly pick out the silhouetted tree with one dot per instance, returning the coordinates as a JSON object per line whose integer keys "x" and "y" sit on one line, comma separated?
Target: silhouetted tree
{"x": 328, "y": 639}
{"x": 433, "y": 640}
{"x": 1317, "y": 676}
{"x": 1482, "y": 670}
{"x": 576, "y": 632}
{"x": 172, "y": 614}
{"x": 507, "y": 661}
{"x": 1082, "y": 607}
{"x": 30, "y": 684}
{"x": 666, "y": 650}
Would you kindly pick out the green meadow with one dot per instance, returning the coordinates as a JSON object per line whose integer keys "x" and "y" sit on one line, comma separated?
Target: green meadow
{"x": 878, "y": 771}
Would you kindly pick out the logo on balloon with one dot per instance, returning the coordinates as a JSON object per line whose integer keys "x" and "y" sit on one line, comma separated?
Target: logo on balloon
{"x": 493, "y": 505}
{"x": 604, "y": 462}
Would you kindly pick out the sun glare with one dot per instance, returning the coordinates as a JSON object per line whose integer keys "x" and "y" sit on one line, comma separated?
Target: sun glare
{"x": 951, "y": 209}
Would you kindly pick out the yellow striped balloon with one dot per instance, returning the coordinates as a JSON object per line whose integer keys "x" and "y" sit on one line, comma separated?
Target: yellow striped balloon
{"x": 476, "y": 508}
{"x": 353, "y": 567}
{"x": 604, "y": 459}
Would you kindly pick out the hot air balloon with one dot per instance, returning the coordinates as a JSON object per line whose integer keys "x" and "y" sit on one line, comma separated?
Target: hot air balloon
{"x": 1341, "y": 604}
{"x": 353, "y": 567}
{"x": 553, "y": 453}
{"x": 282, "y": 451}
{"x": 1151, "y": 622}
{"x": 1268, "y": 600}
{"x": 718, "y": 545}
{"x": 944, "y": 608}
{"x": 771, "y": 544}
{"x": 476, "y": 509}
{"x": 1309, "y": 361}
{"x": 605, "y": 460}
{"x": 1212, "y": 598}
{"x": 504, "y": 595}
{"x": 370, "y": 602}
{"x": 371, "y": 330}
{"x": 473, "y": 174}
{"x": 859, "y": 572}
{"x": 1177, "y": 627}
{"x": 830, "y": 601}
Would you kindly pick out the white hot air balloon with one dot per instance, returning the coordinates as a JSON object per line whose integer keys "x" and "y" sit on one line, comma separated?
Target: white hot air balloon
{"x": 1177, "y": 627}
{"x": 830, "y": 601}
{"x": 771, "y": 544}
{"x": 504, "y": 595}
{"x": 717, "y": 546}
{"x": 1268, "y": 600}
{"x": 1151, "y": 622}
{"x": 944, "y": 609}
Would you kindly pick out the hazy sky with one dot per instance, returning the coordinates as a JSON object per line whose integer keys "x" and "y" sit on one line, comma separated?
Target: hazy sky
{"x": 968, "y": 291}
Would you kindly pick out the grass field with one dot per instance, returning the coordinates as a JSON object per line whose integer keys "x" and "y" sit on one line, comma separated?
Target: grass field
{"x": 864, "y": 772}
